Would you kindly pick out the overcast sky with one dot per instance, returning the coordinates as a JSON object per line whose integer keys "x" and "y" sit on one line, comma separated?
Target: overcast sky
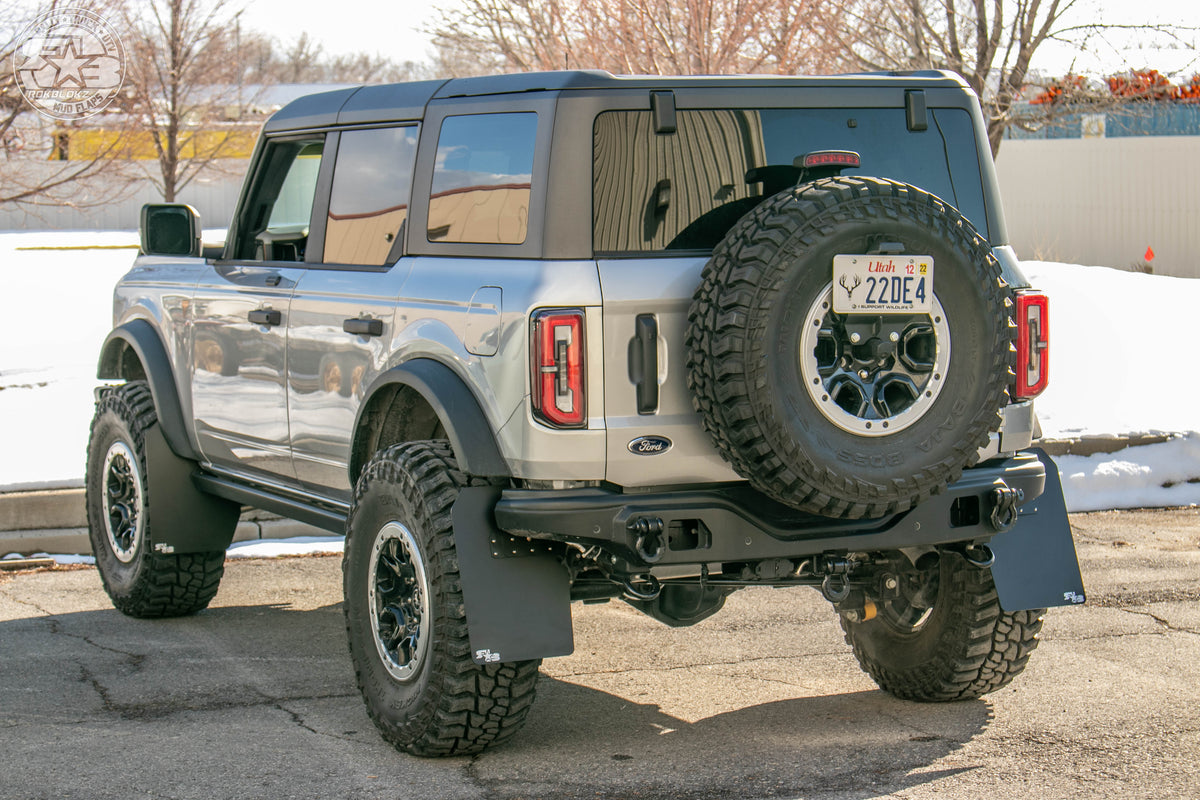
{"x": 393, "y": 28}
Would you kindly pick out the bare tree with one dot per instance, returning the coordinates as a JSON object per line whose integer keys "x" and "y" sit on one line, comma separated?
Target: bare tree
{"x": 301, "y": 61}
{"x": 684, "y": 37}
{"x": 991, "y": 43}
{"x": 29, "y": 175}
{"x": 184, "y": 86}
{"x": 364, "y": 68}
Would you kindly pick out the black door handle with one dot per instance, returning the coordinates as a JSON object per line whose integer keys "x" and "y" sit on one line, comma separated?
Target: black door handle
{"x": 363, "y": 327}
{"x": 265, "y": 316}
{"x": 643, "y": 362}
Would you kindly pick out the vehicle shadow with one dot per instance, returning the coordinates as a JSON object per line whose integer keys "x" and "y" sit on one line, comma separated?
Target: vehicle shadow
{"x": 859, "y": 744}
{"x": 89, "y": 670}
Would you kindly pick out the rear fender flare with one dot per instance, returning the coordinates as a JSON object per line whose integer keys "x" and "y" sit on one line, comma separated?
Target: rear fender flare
{"x": 460, "y": 413}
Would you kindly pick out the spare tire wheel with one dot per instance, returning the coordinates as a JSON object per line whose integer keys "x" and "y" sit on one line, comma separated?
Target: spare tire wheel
{"x": 849, "y": 414}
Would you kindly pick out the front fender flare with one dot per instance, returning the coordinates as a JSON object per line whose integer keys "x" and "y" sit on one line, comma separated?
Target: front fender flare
{"x": 141, "y": 337}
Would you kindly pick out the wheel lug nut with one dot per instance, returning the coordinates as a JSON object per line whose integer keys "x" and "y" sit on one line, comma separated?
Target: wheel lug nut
{"x": 862, "y": 373}
{"x": 895, "y": 337}
{"x": 855, "y": 338}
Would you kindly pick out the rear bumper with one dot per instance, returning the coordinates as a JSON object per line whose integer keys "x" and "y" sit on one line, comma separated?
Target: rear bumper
{"x": 735, "y": 522}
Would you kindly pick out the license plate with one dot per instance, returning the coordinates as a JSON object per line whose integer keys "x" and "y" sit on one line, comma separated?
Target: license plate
{"x": 882, "y": 284}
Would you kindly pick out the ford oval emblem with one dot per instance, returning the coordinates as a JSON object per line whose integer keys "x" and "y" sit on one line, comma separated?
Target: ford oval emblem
{"x": 650, "y": 445}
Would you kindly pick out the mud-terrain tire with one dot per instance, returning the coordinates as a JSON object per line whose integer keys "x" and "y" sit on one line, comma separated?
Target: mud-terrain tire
{"x": 405, "y": 618}
{"x": 963, "y": 648}
{"x": 756, "y": 378}
{"x": 139, "y": 581}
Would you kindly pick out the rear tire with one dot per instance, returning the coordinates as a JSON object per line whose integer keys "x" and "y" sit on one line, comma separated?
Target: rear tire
{"x": 405, "y": 617}
{"x": 140, "y": 581}
{"x": 963, "y": 647}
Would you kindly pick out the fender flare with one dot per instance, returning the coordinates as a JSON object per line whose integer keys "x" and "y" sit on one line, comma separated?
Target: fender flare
{"x": 193, "y": 521}
{"x": 141, "y": 337}
{"x": 466, "y": 425}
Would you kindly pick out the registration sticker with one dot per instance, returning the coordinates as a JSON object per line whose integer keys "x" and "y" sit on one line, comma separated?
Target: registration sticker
{"x": 882, "y": 284}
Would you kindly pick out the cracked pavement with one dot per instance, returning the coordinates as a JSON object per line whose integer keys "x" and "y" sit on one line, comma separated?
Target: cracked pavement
{"x": 255, "y": 697}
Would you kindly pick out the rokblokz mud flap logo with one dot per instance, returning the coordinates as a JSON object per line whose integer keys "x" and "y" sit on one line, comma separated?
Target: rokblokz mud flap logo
{"x": 69, "y": 64}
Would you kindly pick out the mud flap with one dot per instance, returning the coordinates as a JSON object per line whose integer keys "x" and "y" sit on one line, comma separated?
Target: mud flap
{"x": 183, "y": 518}
{"x": 1036, "y": 565}
{"x": 517, "y": 594}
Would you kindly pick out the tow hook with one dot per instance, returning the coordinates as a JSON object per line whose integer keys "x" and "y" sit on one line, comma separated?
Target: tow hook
{"x": 1006, "y": 502}
{"x": 979, "y": 555}
{"x": 641, "y": 587}
{"x": 649, "y": 541}
{"x": 835, "y": 588}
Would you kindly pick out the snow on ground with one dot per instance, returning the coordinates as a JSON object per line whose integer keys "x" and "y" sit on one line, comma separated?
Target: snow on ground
{"x": 1119, "y": 366}
{"x": 55, "y": 310}
{"x": 1150, "y": 476}
{"x": 260, "y": 548}
{"x": 1119, "y": 344}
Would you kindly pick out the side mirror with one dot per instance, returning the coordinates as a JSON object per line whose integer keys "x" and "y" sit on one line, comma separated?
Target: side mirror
{"x": 170, "y": 229}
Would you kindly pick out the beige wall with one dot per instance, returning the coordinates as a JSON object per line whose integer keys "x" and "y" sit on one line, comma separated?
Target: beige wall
{"x": 1103, "y": 201}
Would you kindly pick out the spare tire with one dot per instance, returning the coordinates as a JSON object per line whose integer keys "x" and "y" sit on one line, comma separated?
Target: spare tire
{"x": 848, "y": 415}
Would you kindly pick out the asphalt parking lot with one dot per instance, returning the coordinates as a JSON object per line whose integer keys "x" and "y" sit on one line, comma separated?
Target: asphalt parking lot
{"x": 255, "y": 698}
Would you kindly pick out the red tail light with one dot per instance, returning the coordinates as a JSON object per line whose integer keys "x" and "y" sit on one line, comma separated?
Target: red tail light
{"x": 557, "y": 353}
{"x": 1033, "y": 345}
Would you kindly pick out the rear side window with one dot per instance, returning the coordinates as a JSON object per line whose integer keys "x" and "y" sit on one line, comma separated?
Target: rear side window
{"x": 482, "y": 179}
{"x": 684, "y": 191}
{"x": 368, "y": 206}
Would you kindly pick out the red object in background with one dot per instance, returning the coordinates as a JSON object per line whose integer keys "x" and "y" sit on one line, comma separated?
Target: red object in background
{"x": 1149, "y": 254}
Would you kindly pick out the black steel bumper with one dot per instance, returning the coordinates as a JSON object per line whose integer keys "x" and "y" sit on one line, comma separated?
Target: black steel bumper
{"x": 738, "y": 523}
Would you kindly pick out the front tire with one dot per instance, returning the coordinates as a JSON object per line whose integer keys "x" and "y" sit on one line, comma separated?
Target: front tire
{"x": 140, "y": 581}
{"x": 960, "y": 647}
{"x": 405, "y": 618}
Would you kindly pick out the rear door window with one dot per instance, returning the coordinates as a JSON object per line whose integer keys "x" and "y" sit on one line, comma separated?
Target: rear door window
{"x": 368, "y": 205}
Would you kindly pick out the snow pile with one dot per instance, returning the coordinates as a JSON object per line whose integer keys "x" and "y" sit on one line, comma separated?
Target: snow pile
{"x": 1120, "y": 365}
{"x": 1119, "y": 351}
{"x": 295, "y": 546}
{"x": 1154, "y": 475}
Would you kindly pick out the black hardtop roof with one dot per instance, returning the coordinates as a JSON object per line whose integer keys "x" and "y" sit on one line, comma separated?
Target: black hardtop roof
{"x": 407, "y": 101}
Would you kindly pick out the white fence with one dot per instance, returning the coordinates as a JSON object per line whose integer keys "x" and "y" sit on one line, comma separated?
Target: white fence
{"x": 1104, "y": 201}
{"x": 1089, "y": 201}
{"x": 214, "y": 194}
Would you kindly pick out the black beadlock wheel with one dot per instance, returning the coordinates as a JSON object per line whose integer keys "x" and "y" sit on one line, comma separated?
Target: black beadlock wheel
{"x": 848, "y": 415}
{"x": 956, "y": 644}
{"x": 405, "y": 619}
{"x": 140, "y": 581}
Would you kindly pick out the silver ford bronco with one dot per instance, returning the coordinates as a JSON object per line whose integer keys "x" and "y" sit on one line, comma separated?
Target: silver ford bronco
{"x": 542, "y": 338}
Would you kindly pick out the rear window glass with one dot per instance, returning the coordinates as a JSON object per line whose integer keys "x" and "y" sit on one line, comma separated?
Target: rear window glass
{"x": 683, "y": 191}
{"x": 481, "y": 180}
